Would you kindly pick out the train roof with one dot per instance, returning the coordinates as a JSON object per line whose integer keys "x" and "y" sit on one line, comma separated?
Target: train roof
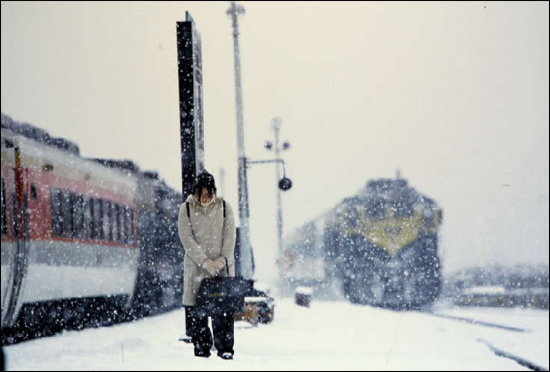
{"x": 133, "y": 168}
{"x": 40, "y": 135}
{"x": 387, "y": 184}
{"x": 43, "y": 137}
{"x": 392, "y": 189}
{"x": 127, "y": 165}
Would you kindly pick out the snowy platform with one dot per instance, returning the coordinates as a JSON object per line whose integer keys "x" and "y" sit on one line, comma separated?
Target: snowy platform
{"x": 327, "y": 336}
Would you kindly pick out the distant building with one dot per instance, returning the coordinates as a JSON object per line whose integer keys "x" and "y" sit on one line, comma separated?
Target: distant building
{"x": 520, "y": 286}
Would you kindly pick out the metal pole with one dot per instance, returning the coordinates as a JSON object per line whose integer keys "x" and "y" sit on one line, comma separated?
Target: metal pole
{"x": 244, "y": 210}
{"x": 277, "y": 131}
{"x": 222, "y": 181}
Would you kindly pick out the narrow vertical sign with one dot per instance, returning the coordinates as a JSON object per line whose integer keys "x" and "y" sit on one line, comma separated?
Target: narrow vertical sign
{"x": 191, "y": 106}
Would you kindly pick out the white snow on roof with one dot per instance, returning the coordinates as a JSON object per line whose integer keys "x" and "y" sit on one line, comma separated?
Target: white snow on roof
{"x": 485, "y": 290}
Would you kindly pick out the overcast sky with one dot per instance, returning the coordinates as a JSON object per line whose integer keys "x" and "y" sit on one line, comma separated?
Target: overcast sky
{"x": 454, "y": 94}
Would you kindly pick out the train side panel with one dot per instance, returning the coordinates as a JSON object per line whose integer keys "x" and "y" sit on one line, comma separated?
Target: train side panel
{"x": 79, "y": 238}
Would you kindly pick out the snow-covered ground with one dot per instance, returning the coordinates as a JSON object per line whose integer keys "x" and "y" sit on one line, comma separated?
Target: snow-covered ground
{"x": 326, "y": 336}
{"x": 532, "y": 345}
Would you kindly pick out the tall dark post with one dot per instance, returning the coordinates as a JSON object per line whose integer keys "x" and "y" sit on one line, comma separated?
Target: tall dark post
{"x": 191, "y": 107}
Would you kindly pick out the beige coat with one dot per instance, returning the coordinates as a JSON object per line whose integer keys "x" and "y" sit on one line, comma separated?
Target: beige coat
{"x": 208, "y": 235}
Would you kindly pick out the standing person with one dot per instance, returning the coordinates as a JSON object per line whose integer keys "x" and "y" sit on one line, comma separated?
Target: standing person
{"x": 207, "y": 231}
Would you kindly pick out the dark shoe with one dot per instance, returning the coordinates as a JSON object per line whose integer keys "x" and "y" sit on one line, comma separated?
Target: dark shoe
{"x": 226, "y": 356}
{"x": 202, "y": 354}
{"x": 186, "y": 339}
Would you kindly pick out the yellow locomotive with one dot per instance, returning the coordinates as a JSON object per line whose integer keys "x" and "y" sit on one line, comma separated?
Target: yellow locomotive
{"x": 382, "y": 244}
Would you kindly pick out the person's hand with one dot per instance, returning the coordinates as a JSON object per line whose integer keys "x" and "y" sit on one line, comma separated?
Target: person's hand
{"x": 219, "y": 263}
{"x": 210, "y": 266}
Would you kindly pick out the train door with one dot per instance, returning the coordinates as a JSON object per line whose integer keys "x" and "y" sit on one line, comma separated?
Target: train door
{"x": 15, "y": 232}
{"x": 9, "y": 247}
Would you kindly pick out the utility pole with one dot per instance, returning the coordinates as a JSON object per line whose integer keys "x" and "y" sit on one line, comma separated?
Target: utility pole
{"x": 277, "y": 130}
{"x": 276, "y": 126}
{"x": 244, "y": 210}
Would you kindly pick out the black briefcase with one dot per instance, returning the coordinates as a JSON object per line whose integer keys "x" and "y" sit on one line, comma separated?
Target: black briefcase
{"x": 219, "y": 295}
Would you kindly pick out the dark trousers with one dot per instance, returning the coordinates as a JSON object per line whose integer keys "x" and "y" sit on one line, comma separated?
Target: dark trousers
{"x": 198, "y": 329}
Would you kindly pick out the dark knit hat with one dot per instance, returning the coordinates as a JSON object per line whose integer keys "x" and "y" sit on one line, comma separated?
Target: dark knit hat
{"x": 205, "y": 181}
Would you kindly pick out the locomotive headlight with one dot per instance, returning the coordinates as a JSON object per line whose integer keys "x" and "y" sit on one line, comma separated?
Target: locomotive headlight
{"x": 47, "y": 167}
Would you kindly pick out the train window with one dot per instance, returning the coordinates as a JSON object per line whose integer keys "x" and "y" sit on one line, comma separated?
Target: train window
{"x": 127, "y": 225}
{"x": 403, "y": 209}
{"x": 87, "y": 217}
{"x": 123, "y": 227}
{"x": 116, "y": 223}
{"x": 108, "y": 223}
{"x": 429, "y": 218}
{"x": 131, "y": 227}
{"x": 114, "y": 229}
{"x": 74, "y": 210}
{"x": 120, "y": 223}
{"x": 106, "y": 214}
{"x": 98, "y": 219}
{"x": 4, "y": 210}
{"x": 126, "y": 217}
{"x": 107, "y": 233}
{"x": 114, "y": 226}
{"x": 102, "y": 208}
{"x": 112, "y": 223}
{"x": 93, "y": 218}
{"x": 57, "y": 219}
{"x": 68, "y": 214}
{"x": 376, "y": 209}
{"x": 78, "y": 227}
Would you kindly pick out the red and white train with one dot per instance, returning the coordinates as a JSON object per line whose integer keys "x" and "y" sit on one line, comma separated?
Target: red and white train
{"x": 82, "y": 235}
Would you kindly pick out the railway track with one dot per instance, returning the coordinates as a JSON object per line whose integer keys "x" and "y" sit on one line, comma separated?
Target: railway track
{"x": 519, "y": 360}
{"x": 497, "y": 351}
{"x": 479, "y": 322}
